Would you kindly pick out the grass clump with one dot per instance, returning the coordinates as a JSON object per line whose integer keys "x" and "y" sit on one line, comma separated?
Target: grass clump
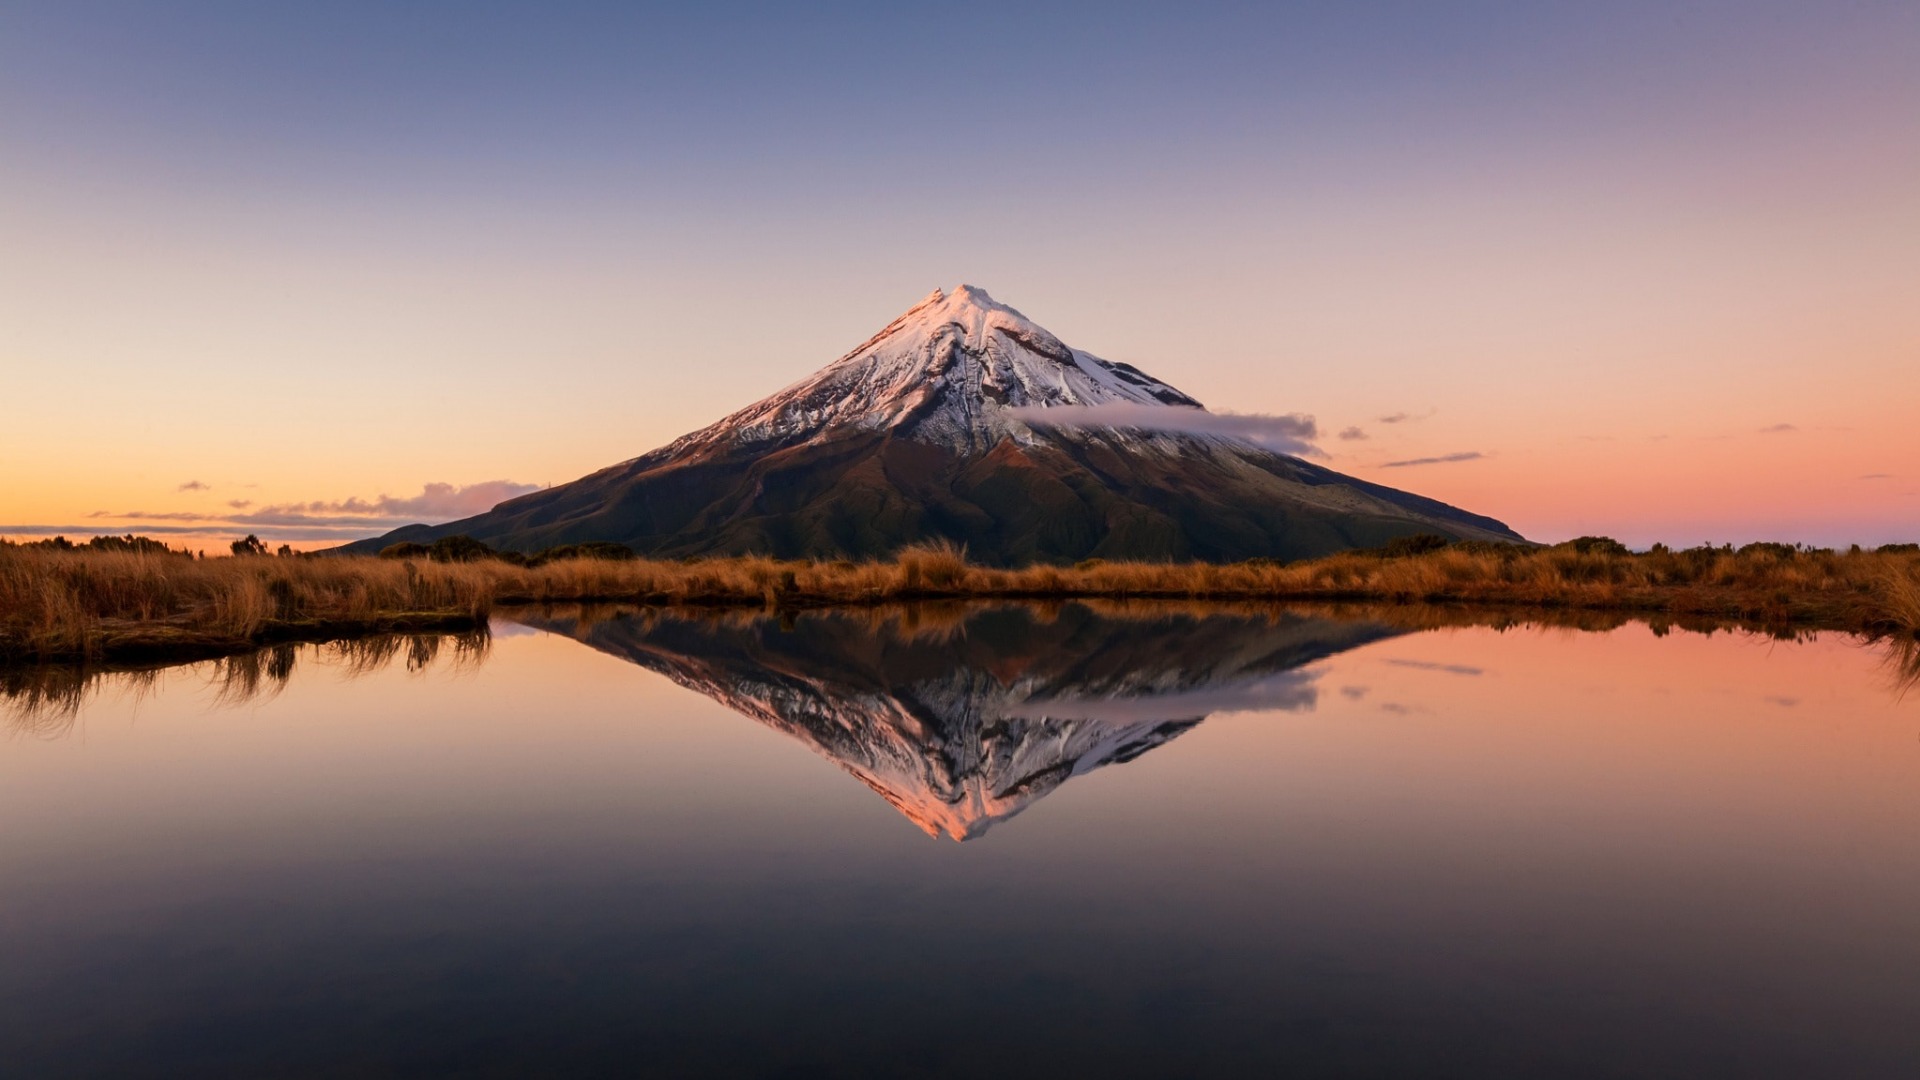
{"x": 76, "y": 602}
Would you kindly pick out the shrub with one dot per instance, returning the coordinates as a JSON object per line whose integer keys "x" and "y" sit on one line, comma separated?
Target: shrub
{"x": 459, "y": 548}
{"x": 1594, "y": 545}
{"x": 406, "y": 549}
{"x": 1499, "y": 549}
{"x": 596, "y": 549}
{"x": 1401, "y": 547}
{"x": 138, "y": 545}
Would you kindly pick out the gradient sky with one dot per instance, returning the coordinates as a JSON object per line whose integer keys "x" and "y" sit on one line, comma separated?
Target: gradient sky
{"x": 1651, "y": 270}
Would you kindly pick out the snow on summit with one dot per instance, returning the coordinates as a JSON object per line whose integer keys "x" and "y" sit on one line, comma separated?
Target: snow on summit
{"x": 945, "y": 372}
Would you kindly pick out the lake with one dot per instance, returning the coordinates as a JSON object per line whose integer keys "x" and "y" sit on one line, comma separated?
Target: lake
{"x": 1147, "y": 841}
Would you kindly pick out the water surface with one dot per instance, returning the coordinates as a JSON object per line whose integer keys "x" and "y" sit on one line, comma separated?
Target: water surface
{"x": 1158, "y": 842}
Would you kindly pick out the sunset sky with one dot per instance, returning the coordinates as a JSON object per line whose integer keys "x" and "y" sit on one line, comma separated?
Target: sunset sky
{"x": 313, "y": 271}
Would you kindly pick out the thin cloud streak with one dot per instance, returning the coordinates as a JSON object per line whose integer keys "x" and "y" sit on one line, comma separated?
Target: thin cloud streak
{"x": 209, "y": 530}
{"x": 1352, "y": 434}
{"x": 1464, "y": 455}
{"x": 1290, "y": 433}
{"x": 346, "y": 519}
{"x": 1777, "y": 429}
{"x": 195, "y": 485}
{"x": 436, "y": 500}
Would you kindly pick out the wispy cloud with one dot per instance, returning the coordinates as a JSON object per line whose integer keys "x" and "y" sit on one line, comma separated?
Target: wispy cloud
{"x": 1290, "y": 433}
{"x": 1778, "y": 429}
{"x": 1352, "y": 434}
{"x": 195, "y": 485}
{"x": 1876, "y": 476}
{"x": 1464, "y": 455}
{"x": 158, "y": 515}
{"x": 436, "y": 502}
{"x": 320, "y": 519}
{"x": 1405, "y": 417}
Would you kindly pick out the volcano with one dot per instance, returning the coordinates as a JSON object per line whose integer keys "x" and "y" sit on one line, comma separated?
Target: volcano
{"x": 935, "y": 428}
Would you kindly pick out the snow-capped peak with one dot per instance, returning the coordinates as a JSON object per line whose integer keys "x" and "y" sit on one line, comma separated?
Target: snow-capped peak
{"x": 946, "y": 372}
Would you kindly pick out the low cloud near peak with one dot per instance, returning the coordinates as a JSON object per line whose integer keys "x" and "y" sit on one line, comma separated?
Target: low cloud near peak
{"x": 1288, "y": 433}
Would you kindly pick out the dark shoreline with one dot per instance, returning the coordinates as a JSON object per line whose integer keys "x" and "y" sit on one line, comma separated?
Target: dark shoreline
{"x": 166, "y": 645}
{"x": 119, "y": 606}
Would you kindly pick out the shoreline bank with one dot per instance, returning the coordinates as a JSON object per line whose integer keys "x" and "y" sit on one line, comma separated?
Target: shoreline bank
{"x": 84, "y": 606}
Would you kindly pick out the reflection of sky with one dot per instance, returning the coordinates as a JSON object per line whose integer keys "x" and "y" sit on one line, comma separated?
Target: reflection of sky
{"x": 1615, "y": 843}
{"x": 1655, "y": 266}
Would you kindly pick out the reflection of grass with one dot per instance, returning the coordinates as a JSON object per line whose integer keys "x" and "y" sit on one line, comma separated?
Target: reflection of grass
{"x": 74, "y": 605}
{"x": 44, "y": 700}
{"x": 1903, "y": 660}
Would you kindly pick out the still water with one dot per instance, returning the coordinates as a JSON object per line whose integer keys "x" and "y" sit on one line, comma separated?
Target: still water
{"x": 1156, "y": 842}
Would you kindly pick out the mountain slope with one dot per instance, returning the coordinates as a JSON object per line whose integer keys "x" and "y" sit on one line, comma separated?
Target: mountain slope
{"x": 914, "y": 436}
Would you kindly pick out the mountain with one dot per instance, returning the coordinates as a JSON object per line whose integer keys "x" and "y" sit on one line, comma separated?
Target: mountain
{"x": 964, "y": 722}
{"x": 919, "y": 434}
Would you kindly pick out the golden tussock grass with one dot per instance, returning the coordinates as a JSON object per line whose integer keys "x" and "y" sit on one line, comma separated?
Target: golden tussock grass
{"x": 91, "y": 605}
{"x": 65, "y": 604}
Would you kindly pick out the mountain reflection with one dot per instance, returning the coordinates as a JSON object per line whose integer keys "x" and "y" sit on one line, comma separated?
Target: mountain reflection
{"x": 962, "y": 718}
